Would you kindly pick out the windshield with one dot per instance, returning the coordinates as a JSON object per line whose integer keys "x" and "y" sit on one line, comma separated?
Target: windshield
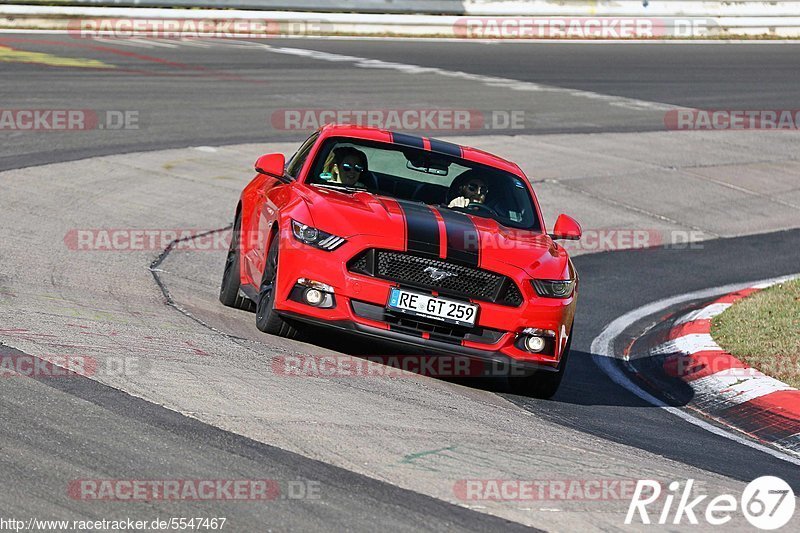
{"x": 417, "y": 175}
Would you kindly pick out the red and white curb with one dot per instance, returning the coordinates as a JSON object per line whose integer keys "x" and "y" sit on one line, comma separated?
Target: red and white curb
{"x": 725, "y": 388}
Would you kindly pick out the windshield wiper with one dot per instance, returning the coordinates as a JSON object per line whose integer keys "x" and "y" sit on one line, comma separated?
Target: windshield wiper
{"x": 339, "y": 187}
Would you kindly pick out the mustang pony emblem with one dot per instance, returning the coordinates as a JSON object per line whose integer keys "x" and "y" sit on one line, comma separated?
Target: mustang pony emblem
{"x": 438, "y": 275}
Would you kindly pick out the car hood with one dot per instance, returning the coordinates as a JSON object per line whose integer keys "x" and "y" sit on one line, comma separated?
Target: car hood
{"x": 364, "y": 213}
{"x": 531, "y": 251}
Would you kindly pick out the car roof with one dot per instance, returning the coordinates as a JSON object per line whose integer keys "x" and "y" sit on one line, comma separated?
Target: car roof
{"x": 416, "y": 141}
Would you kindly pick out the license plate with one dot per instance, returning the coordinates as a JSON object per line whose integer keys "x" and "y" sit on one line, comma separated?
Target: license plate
{"x": 424, "y": 305}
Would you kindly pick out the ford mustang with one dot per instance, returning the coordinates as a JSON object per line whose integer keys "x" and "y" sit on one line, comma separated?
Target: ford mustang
{"x": 409, "y": 239}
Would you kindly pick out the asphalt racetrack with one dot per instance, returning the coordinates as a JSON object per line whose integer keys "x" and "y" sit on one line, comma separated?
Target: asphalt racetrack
{"x": 202, "y": 402}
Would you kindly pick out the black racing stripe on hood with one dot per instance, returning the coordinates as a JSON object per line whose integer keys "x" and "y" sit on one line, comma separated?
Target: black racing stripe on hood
{"x": 463, "y": 240}
{"x": 445, "y": 148}
{"x": 422, "y": 229}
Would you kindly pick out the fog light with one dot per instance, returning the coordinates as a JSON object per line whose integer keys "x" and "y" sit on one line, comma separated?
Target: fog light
{"x": 314, "y": 293}
{"x": 534, "y": 344}
{"x": 313, "y": 297}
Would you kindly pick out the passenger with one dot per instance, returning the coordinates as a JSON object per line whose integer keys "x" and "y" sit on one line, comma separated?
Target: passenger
{"x": 466, "y": 189}
{"x": 348, "y": 166}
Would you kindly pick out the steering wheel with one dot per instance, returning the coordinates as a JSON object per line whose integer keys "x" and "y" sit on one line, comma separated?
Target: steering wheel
{"x": 474, "y": 206}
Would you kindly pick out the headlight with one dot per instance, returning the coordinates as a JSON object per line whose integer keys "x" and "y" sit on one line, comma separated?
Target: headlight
{"x": 315, "y": 237}
{"x": 551, "y": 288}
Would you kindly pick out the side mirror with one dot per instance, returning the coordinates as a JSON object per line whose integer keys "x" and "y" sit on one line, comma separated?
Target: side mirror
{"x": 566, "y": 228}
{"x": 271, "y": 165}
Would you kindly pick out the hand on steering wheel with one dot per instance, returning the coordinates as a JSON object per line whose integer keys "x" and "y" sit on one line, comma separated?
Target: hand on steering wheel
{"x": 458, "y": 202}
{"x": 475, "y": 206}
{"x": 465, "y": 204}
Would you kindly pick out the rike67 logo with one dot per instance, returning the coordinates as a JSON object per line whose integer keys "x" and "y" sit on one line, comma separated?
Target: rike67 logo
{"x": 767, "y": 503}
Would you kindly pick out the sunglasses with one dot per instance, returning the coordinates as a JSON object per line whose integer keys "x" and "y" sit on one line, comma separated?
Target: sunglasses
{"x": 473, "y": 187}
{"x": 347, "y": 167}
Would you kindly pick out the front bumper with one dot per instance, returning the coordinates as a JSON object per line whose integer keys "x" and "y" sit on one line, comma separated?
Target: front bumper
{"x": 360, "y": 301}
{"x": 499, "y": 363}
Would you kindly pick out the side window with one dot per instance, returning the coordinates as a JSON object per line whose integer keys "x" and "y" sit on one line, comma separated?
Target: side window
{"x": 296, "y": 163}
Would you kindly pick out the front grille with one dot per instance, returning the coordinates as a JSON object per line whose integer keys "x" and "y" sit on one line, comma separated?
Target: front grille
{"x": 409, "y": 269}
{"x": 360, "y": 264}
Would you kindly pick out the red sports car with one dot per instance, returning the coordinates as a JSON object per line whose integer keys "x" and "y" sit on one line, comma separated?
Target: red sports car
{"x": 408, "y": 239}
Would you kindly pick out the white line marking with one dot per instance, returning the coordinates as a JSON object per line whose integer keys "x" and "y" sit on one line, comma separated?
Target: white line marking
{"x": 687, "y": 345}
{"x": 163, "y": 43}
{"x": 225, "y": 42}
{"x": 143, "y": 41}
{"x": 728, "y": 388}
{"x": 194, "y": 42}
{"x": 489, "y": 81}
{"x": 767, "y": 284}
{"x": 135, "y": 43}
{"x": 710, "y": 311}
{"x": 706, "y": 313}
{"x": 603, "y": 350}
{"x": 792, "y": 442}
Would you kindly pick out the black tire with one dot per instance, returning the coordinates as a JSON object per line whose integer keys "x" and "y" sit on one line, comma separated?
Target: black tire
{"x": 542, "y": 384}
{"x": 229, "y": 289}
{"x": 267, "y": 319}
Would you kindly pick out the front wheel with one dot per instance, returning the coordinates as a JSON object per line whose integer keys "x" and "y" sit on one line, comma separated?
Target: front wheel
{"x": 267, "y": 319}
{"x": 542, "y": 384}
{"x": 229, "y": 289}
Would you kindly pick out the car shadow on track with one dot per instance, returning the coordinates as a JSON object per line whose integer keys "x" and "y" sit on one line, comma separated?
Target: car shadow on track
{"x": 583, "y": 384}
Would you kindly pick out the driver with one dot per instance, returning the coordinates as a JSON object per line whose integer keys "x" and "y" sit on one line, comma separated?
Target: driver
{"x": 466, "y": 189}
{"x": 347, "y": 165}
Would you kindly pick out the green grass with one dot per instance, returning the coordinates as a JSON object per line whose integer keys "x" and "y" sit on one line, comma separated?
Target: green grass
{"x": 763, "y": 330}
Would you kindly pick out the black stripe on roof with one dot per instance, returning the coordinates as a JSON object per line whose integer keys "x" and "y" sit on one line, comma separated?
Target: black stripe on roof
{"x": 445, "y": 148}
{"x": 407, "y": 140}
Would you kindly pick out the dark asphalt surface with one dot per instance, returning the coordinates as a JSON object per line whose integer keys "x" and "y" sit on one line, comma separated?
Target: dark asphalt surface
{"x": 81, "y": 429}
{"x": 618, "y": 282}
{"x": 704, "y": 75}
{"x": 225, "y": 95}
